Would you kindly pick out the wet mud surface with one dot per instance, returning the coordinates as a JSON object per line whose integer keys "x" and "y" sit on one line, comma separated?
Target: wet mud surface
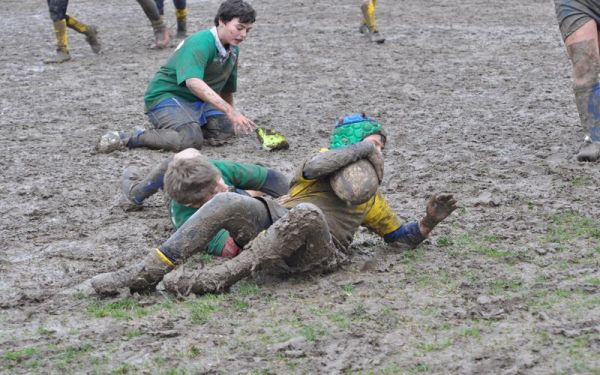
{"x": 476, "y": 97}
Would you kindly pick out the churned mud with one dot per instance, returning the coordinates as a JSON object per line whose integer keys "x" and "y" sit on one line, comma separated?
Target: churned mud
{"x": 476, "y": 97}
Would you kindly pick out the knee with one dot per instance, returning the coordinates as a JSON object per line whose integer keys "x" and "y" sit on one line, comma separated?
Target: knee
{"x": 307, "y": 210}
{"x": 190, "y": 136}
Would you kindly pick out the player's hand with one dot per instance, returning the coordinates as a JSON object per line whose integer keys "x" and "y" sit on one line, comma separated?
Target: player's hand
{"x": 241, "y": 124}
{"x": 376, "y": 159}
{"x": 439, "y": 207}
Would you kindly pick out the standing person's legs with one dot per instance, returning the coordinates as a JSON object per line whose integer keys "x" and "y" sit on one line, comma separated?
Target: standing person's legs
{"x": 300, "y": 241}
{"x": 90, "y": 32}
{"x": 58, "y": 14}
{"x": 160, "y": 4}
{"x": 369, "y": 23}
{"x": 161, "y": 34}
{"x": 578, "y": 21}
{"x": 582, "y": 47}
{"x": 243, "y": 217}
{"x": 181, "y": 15}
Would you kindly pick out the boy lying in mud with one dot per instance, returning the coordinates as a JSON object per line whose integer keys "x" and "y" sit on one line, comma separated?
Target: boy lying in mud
{"x": 198, "y": 179}
{"x": 310, "y": 230}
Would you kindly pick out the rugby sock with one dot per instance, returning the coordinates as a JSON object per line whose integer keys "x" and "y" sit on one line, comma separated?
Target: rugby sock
{"x": 76, "y": 25}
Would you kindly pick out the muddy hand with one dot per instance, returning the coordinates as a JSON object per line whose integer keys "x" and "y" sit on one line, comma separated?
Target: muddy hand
{"x": 242, "y": 124}
{"x": 376, "y": 159}
{"x": 439, "y": 207}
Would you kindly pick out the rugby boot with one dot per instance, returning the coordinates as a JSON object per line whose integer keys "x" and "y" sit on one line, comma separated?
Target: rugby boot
{"x": 271, "y": 140}
{"x": 217, "y": 130}
{"x": 137, "y": 188}
{"x": 376, "y": 37}
{"x": 138, "y": 277}
{"x": 181, "y": 15}
{"x": 162, "y": 37}
{"x": 62, "y": 41}
{"x": 589, "y": 151}
{"x": 91, "y": 36}
{"x": 112, "y": 141}
{"x": 363, "y": 29}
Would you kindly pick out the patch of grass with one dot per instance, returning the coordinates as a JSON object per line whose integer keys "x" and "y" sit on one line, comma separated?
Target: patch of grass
{"x": 19, "y": 355}
{"x": 45, "y": 331}
{"x": 419, "y": 368}
{"x": 339, "y": 319}
{"x": 311, "y": 332}
{"x": 246, "y": 288}
{"x": 70, "y": 354}
{"x": 579, "y": 181}
{"x": 390, "y": 369}
{"x": 569, "y": 225}
{"x": 471, "y": 332}
{"x": 240, "y": 305}
{"x": 359, "y": 312}
{"x": 493, "y": 252}
{"x": 124, "y": 368}
{"x": 134, "y": 333}
{"x": 434, "y": 346}
{"x": 501, "y": 285}
{"x": 126, "y": 309}
{"x": 593, "y": 281}
{"x": 201, "y": 309}
{"x": 444, "y": 242}
{"x": 348, "y": 289}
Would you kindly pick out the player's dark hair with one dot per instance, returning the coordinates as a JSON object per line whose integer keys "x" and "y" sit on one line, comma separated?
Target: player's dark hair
{"x": 231, "y": 9}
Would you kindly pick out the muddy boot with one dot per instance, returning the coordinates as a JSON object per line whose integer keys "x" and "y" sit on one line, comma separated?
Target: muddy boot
{"x": 181, "y": 15}
{"x": 137, "y": 188}
{"x": 90, "y": 32}
{"x": 62, "y": 41}
{"x": 91, "y": 36}
{"x": 363, "y": 28}
{"x": 376, "y": 37}
{"x": 161, "y": 34}
{"x": 112, "y": 141}
{"x": 589, "y": 151}
{"x": 217, "y": 130}
{"x": 138, "y": 277}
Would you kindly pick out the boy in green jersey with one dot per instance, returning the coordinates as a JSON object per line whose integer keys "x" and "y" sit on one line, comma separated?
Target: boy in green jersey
{"x": 196, "y": 178}
{"x": 311, "y": 229}
{"x": 190, "y": 99}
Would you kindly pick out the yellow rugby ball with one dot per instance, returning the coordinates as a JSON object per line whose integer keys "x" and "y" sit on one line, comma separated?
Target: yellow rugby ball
{"x": 356, "y": 183}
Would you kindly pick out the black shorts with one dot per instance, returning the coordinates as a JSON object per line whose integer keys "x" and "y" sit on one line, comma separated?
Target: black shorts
{"x": 572, "y": 14}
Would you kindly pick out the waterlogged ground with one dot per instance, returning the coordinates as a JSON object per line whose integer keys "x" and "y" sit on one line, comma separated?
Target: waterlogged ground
{"x": 477, "y": 99}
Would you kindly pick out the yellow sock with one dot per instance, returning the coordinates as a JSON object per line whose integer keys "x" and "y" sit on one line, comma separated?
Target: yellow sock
{"x": 181, "y": 14}
{"x": 368, "y": 10}
{"x": 76, "y": 25}
{"x": 60, "y": 31}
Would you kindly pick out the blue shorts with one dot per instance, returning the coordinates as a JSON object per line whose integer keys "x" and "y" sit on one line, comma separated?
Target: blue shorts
{"x": 173, "y": 112}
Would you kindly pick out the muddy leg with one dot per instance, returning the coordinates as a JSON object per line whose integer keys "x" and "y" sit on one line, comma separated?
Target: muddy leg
{"x": 300, "y": 241}
{"x": 242, "y": 216}
{"x": 136, "y": 189}
{"x": 582, "y": 47}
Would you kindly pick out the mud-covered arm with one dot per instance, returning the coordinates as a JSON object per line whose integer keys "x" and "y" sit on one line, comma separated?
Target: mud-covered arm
{"x": 328, "y": 162}
{"x": 413, "y": 233}
{"x": 276, "y": 184}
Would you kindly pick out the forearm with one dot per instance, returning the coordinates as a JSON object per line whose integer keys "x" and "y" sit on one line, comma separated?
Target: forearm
{"x": 326, "y": 163}
{"x": 228, "y": 97}
{"x": 199, "y": 88}
{"x": 411, "y": 234}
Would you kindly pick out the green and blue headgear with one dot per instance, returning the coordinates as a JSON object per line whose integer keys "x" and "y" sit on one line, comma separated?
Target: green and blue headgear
{"x": 354, "y": 128}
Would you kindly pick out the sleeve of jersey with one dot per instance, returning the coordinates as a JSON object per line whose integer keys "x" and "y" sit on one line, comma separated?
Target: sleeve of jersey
{"x": 192, "y": 59}
{"x": 242, "y": 175}
{"x": 382, "y": 220}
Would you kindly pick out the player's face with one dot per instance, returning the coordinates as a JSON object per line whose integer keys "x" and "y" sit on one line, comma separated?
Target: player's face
{"x": 377, "y": 140}
{"x": 233, "y": 32}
